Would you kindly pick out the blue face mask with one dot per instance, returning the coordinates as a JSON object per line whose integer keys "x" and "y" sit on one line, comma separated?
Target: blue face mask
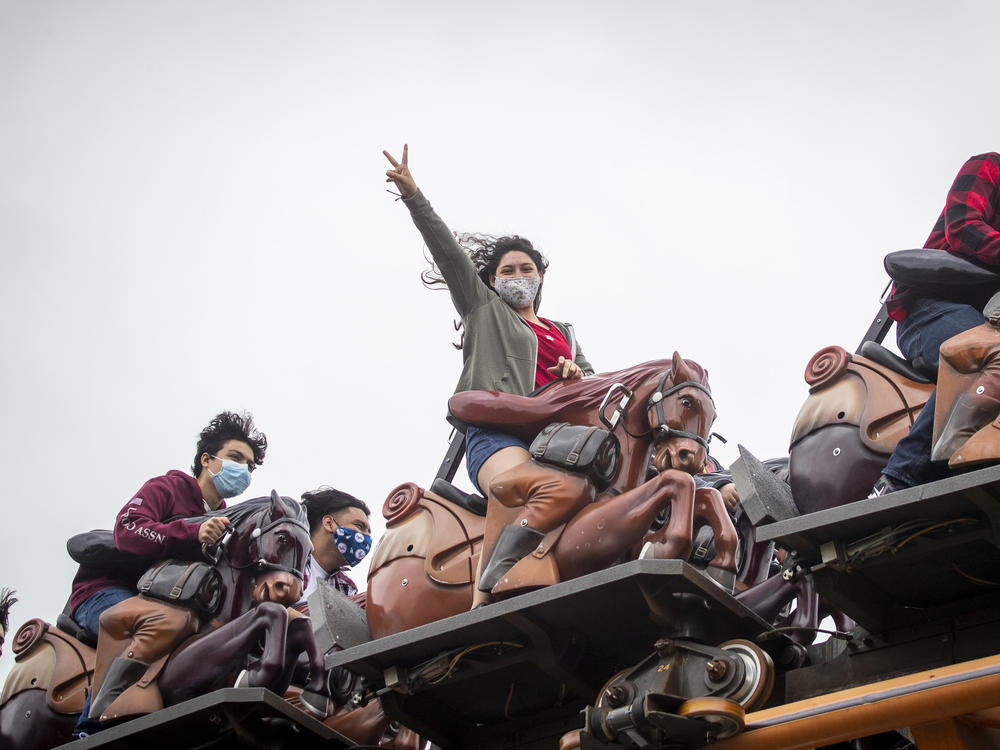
{"x": 352, "y": 544}
{"x": 232, "y": 479}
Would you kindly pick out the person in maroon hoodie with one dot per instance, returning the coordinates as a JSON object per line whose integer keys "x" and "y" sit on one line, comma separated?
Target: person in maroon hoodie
{"x": 228, "y": 450}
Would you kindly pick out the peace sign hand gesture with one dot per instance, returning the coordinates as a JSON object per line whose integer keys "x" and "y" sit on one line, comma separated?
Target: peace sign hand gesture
{"x": 400, "y": 174}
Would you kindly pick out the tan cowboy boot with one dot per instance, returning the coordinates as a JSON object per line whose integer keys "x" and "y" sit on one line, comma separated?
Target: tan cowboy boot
{"x": 544, "y": 499}
{"x": 122, "y": 674}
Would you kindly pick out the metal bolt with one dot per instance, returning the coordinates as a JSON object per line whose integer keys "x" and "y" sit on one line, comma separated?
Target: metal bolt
{"x": 405, "y": 581}
{"x": 716, "y": 669}
{"x": 664, "y": 646}
{"x": 524, "y": 521}
{"x": 980, "y": 389}
{"x": 616, "y": 695}
{"x": 27, "y": 714}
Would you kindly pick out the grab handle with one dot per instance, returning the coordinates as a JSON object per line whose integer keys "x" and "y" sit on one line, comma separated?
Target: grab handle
{"x": 613, "y": 391}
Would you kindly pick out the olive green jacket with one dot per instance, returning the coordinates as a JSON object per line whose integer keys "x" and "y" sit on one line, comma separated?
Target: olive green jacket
{"x": 500, "y": 350}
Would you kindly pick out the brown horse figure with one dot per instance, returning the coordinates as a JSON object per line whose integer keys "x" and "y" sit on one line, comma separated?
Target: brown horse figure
{"x": 859, "y": 407}
{"x": 424, "y": 565}
{"x": 261, "y": 571}
{"x": 856, "y": 412}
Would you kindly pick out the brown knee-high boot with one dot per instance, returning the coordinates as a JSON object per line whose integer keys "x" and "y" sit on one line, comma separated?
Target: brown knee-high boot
{"x": 542, "y": 498}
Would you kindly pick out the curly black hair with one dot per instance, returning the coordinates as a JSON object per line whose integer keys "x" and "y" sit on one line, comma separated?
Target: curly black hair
{"x": 326, "y": 501}
{"x": 225, "y": 427}
{"x": 7, "y": 600}
{"x": 486, "y": 252}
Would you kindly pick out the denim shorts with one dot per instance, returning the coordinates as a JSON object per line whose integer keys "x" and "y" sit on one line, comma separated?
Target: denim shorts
{"x": 480, "y": 444}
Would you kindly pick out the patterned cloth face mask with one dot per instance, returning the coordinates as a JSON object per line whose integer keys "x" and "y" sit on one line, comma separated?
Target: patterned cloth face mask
{"x": 518, "y": 292}
{"x": 352, "y": 544}
{"x": 232, "y": 479}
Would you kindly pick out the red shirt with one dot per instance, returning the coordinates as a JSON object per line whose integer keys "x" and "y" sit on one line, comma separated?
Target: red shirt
{"x": 551, "y": 345}
{"x": 968, "y": 226}
{"x": 142, "y": 528}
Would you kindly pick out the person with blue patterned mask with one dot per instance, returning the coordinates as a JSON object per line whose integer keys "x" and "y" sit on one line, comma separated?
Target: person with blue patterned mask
{"x": 340, "y": 528}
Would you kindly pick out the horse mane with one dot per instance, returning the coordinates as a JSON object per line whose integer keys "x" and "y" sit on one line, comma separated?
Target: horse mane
{"x": 593, "y": 389}
{"x": 7, "y": 600}
{"x": 524, "y": 416}
{"x": 240, "y": 512}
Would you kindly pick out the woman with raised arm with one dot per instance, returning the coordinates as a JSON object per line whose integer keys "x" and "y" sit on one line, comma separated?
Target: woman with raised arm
{"x": 496, "y": 288}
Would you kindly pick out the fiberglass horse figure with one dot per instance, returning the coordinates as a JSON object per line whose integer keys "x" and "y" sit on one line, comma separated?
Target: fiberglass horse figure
{"x": 860, "y": 405}
{"x": 424, "y": 565}
{"x": 169, "y": 655}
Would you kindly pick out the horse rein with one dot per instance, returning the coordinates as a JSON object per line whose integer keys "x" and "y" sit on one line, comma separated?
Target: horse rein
{"x": 260, "y": 563}
{"x": 655, "y": 402}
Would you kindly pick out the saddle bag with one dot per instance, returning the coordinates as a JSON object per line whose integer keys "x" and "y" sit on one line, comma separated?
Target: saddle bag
{"x": 195, "y": 585}
{"x": 588, "y": 450}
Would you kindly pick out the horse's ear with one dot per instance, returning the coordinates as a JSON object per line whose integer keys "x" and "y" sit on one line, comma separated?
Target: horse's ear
{"x": 277, "y": 505}
{"x": 681, "y": 370}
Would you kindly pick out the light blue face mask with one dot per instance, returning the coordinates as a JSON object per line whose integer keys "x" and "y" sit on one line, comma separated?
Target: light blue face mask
{"x": 232, "y": 479}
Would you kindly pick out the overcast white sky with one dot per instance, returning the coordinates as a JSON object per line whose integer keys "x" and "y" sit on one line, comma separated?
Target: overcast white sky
{"x": 193, "y": 218}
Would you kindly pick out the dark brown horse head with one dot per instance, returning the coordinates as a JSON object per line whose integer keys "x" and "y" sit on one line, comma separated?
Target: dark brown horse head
{"x": 680, "y": 411}
{"x": 267, "y": 556}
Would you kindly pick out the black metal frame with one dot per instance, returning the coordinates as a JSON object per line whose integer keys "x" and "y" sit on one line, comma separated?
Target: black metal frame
{"x": 573, "y": 636}
{"x": 878, "y": 329}
{"x": 224, "y": 719}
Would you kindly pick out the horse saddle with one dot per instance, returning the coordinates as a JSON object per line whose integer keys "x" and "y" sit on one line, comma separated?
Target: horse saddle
{"x": 53, "y": 661}
{"x": 866, "y": 394}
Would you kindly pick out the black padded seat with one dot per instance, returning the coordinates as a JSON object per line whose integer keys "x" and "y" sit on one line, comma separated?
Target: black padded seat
{"x": 472, "y": 503}
{"x": 878, "y": 353}
{"x": 70, "y": 626}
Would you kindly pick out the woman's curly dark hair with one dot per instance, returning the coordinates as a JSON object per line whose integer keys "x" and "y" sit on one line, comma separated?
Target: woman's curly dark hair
{"x": 486, "y": 252}
{"x": 225, "y": 427}
{"x": 7, "y": 600}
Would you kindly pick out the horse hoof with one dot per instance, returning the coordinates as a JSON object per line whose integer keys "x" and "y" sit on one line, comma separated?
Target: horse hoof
{"x": 315, "y": 703}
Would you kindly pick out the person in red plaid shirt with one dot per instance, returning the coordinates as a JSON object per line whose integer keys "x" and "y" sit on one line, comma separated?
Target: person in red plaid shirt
{"x": 340, "y": 529}
{"x": 968, "y": 226}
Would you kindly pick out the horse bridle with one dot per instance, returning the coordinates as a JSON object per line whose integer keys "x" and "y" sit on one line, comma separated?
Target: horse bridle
{"x": 655, "y": 402}
{"x": 260, "y": 564}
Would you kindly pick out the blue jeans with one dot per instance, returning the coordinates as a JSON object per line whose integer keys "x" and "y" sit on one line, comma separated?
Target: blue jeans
{"x": 88, "y": 613}
{"x": 928, "y": 324}
{"x": 88, "y": 616}
{"x": 480, "y": 444}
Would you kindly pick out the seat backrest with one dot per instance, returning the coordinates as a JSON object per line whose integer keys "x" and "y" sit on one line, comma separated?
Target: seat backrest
{"x": 878, "y": 353}
{"x": 71, "y": 627}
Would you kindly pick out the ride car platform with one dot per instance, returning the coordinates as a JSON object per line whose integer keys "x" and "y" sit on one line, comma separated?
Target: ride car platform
{"x": 926, "y": 553}
{"x": 520, "y": 670}
{"x": 227, "y": 718}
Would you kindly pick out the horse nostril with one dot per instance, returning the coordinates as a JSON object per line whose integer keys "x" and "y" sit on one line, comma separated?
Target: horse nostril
{"x": 684, "y": 456}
